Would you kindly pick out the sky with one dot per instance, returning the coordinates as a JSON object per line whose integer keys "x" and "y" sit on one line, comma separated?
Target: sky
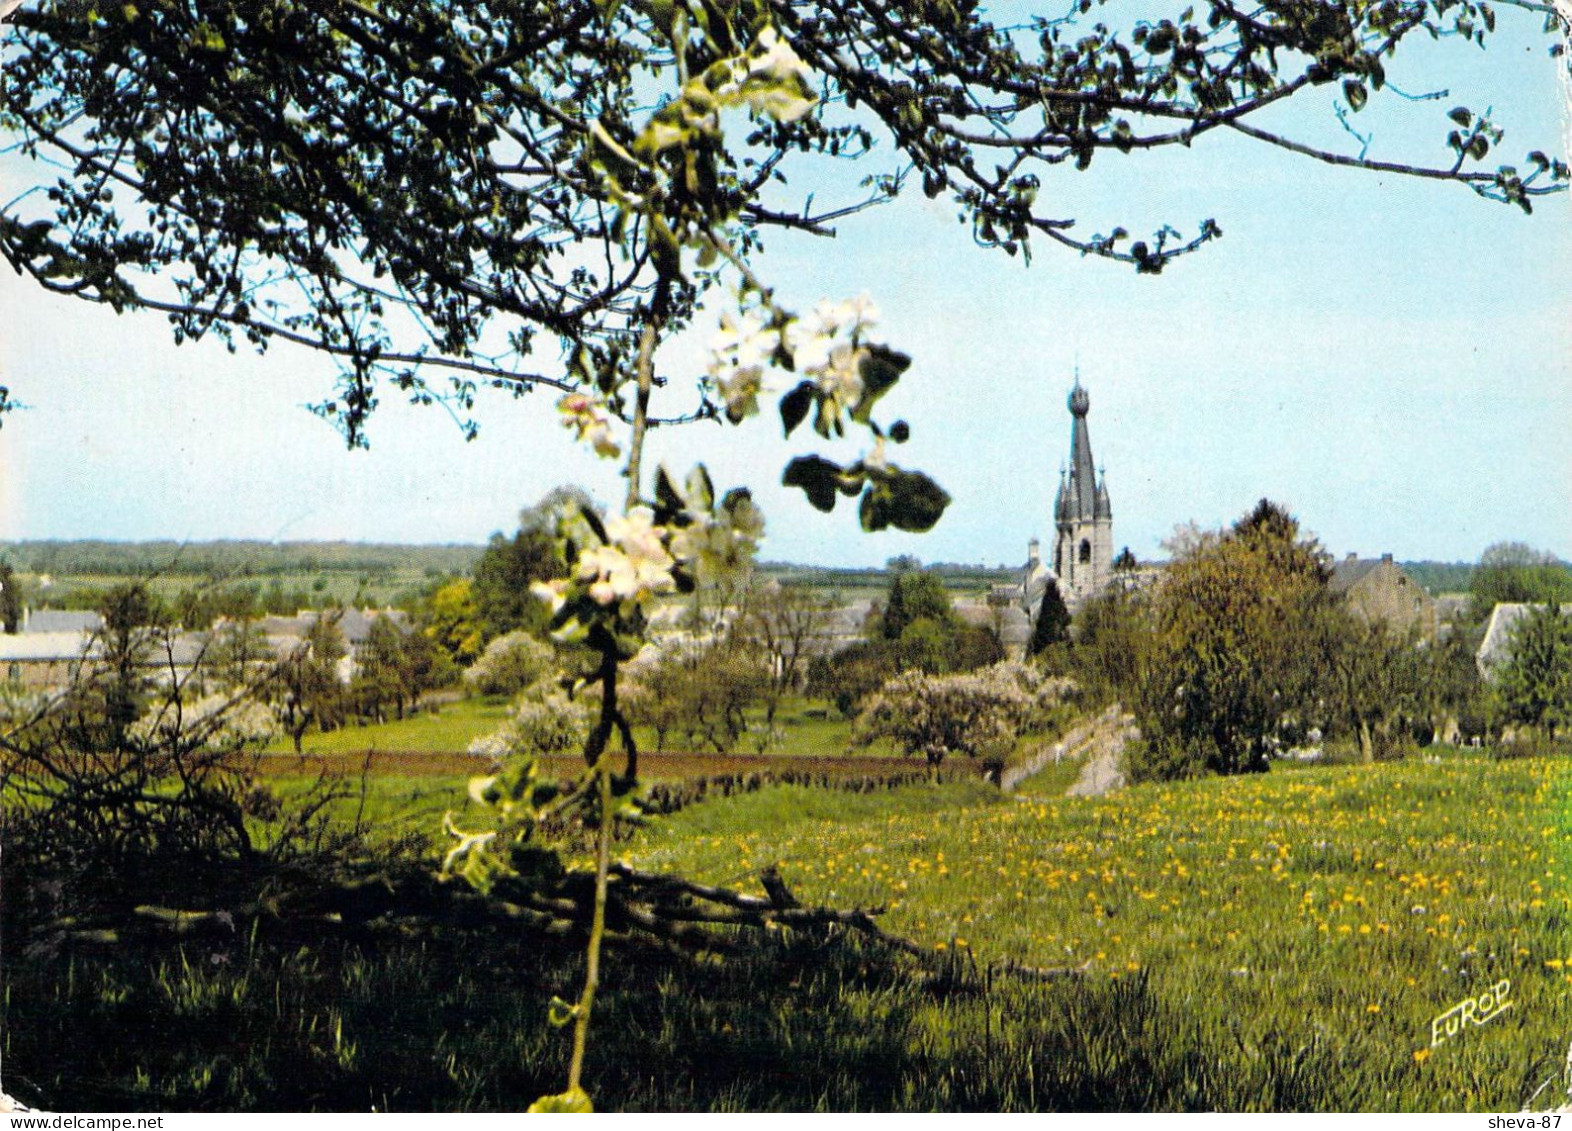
{"x": 1390, "y": 358}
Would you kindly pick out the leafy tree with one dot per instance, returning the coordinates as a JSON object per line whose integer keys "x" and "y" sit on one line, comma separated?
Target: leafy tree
{"x": 1125, "y": 561}
{"x": 703, "y": 693}
{"x": 1512, "y": 572}
{"x": 1052, "y": 625}
{"x": 238, "y": 653}
{"x": 308, "y": 687}
{"x": 914, "y": 595}
{"x": 127, "y": 643}
{"x": 231, "y": 205}
{"x": 197, "y": 607}
{"x": 452, "y": 619}
{"x": 1112, "y": 645}
{"x": 425, "y": 665}
{"x": 851, "y": 674}
{"x": 393, "y": 665}
{"x": 1535, "y": 683}
{"x": 544, "y": 721}
{"x": 1451, "y": 691}
{"x": 1234, "y": 621}
{"x": 1373, "y": 678}
{"x": 504, "y": 573}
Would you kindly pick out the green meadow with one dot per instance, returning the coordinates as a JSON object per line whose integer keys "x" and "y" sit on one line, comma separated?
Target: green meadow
{"x": 1281, "y": 941}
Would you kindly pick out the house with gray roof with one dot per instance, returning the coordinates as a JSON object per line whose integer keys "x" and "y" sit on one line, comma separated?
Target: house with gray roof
{"x": 60, "y": 620}
{"x": 42, "y": 660}
{"x": 51, "y": 660}
{"x": 1496, "y": 648}
{"x": 1379, "y": 591}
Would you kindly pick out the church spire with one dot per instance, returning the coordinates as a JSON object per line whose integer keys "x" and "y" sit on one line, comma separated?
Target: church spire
{"x": 1082, "y": 485}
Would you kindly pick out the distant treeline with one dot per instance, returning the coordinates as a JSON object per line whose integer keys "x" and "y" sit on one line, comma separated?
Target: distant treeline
{"x": 953, "y": 576}
{"x": 236, "y": 559}
{"x": 232, "y": 559}
{"x": 1441, "y": 577}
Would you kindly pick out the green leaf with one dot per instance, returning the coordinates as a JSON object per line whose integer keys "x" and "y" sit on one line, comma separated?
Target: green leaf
{"x": 1461, "y": 115}
{"x": 900, "y": 431}
{"x": 668, "y": 500}
{"x": 576, "y": 1102}
{"x": 1478, "y": 147}
{"x": 795, "y": 405}
{"x": 1355, "y": 92}
{"x": 818, "y": 478}
{"x": 881, "y": 368}
{"x": 906, "y": 500}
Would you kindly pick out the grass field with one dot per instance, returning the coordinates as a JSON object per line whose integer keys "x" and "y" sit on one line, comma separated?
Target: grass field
{"x": 808, "y": 729}
{"x": 1275, "y": 942}
{"x": 1311, "y": 921}
{"x": 449, "y": 730}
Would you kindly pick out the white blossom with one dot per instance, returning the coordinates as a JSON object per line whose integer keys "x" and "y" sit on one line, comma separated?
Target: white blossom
{"x": 741, "y": 391}
{"x": 840, "y": 378}
{"x": 634, "y": 568}
{"x": 583, "y": 416}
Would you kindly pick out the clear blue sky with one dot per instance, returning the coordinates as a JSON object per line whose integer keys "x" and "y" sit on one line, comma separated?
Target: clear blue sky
{"x": 1392, "y": 359}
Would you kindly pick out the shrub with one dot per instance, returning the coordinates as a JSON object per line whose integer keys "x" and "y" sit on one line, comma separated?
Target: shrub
{"x": 977, "y": 713}
{"x": 545, "y": 720}
{"x": 510, "y": 664}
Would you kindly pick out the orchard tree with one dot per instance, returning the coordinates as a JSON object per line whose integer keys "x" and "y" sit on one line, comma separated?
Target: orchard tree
{"x": 134, "y": 621}
{"x": 976, "y": 713}
{"x": 451, "y": 199}
{"x": 1372, "y": 679}
{"x": 783, "y": 622}
{"x": 308, "y": 688}
{"x": 238, "y": 652}
{"x": 511, "y": 663}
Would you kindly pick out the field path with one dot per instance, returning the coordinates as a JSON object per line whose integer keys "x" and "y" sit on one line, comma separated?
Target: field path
{"x": 1099, "y": 740}
{"x": 1103, "y": 749}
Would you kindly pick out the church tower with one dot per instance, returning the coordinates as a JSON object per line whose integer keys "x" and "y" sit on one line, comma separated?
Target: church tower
{"x": 1083, "y": 550}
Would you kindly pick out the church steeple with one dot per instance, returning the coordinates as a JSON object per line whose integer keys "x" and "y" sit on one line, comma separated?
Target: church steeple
{"x": 1081, "y": 487}
{"x": 1083, "y": 550}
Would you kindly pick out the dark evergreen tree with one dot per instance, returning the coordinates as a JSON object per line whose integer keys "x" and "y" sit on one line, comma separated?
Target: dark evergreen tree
{"x": 10, "y": 599}
{"x": 1052, "y": 625}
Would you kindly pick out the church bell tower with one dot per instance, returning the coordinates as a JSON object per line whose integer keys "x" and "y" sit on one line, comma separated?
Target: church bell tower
{"x": 1083, "y": 549}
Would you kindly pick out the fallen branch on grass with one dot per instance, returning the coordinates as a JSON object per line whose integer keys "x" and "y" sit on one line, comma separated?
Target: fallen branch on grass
{"x": 665, "y": 910}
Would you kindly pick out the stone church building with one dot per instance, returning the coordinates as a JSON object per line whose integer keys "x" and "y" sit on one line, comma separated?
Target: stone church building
{"x": 1083, "y": 523}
